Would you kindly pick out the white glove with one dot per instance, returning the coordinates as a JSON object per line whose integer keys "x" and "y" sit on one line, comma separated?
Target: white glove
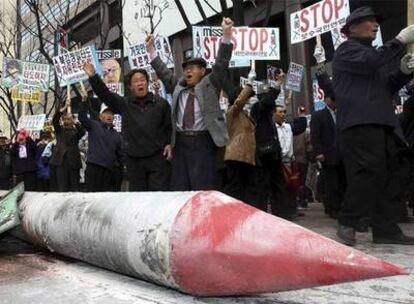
{"x": 406, "y": 36}
{"x": 407, "y": 64}
{"x": 251, "y": 77}
{"x": 319, "y": 54}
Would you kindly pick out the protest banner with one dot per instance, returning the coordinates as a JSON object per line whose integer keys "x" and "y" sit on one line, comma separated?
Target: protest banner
{"x": 26, "y": 95}
{"x": 317, "y": 19}
{"x": 318, "y": 96}
{"x": 139, "y": 57}
{"x": 110, "y": 61}
{"x": 256, "y": 85}
{"x": 24, "y": 75}
{"x": 69, "y": 66}
{"x": 294, "y": 77}
{"x": 249, "y": 43}
{"x": 31, "y": 122}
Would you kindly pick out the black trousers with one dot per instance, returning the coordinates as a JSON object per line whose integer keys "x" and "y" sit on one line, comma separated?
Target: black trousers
{"x": 241, "y": 183}
{"x": 150, "y": 173}
{"x": 29, "y": 179}
{"x": 370, "y": 154}
{"x": 67, "y": 178}
{"x": 5, "y": 183}
{"x": 335, "y": 183}
{"x": 271, "y": 184}
{"x": 98, "y": 178}
{"x": 194, "y": 165}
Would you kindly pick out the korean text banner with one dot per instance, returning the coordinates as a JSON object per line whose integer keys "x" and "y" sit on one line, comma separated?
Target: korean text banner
{"x": 294, "y": 77}
{"x": 110, "y": 61}
{"x": 69, "y": 66}
{"x": 317, "y": 19}
{"x": 26, "y": 95}
{"x": 26, "y": 75}
{"x": 139, "y": 58}
{"x": 249, "y": 43}
{"x": 31, "y": 122}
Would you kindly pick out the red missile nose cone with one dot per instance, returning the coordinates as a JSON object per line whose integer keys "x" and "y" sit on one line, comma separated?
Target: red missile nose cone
{"x": 220, "y": 246}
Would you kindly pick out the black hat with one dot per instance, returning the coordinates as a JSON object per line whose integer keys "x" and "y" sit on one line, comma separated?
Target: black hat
{"x": 200, "y": 61}
{"x": 357, "y": 15}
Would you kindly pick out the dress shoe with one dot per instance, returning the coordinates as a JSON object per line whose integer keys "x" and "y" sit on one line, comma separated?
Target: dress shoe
{"x": 399, "y": 239}
{"x": 362, "y": 226}
{"x": 346, "y": 235}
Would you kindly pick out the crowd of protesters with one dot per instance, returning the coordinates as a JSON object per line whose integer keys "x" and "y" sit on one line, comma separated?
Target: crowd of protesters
{"x": 357, "y": 143}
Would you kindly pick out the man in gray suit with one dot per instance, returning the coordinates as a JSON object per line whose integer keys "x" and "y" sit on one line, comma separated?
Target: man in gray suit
{"x": 199, "y": 125}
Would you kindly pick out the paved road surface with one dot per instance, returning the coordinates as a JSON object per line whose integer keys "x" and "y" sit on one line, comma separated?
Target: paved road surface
{"x": 31, "y": 275}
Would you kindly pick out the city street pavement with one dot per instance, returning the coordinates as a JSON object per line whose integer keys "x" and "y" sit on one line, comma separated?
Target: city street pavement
{"x": 30, "y": 274}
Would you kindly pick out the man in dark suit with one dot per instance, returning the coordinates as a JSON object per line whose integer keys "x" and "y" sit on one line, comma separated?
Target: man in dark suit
{"x": 364, "y": 87}
{"x": 198, "y": 124}
{"x": 325, "y": 148}
{"x": 66, "y": 156}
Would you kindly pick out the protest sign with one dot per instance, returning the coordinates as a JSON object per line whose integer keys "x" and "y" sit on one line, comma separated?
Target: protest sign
{"x": 317, "y": 19}
{"x": 318, "y": 96}
{"x": 31, "y": 122}
{"x": 248, "y": 44}
{"x": 111, "y": 70}
{"x": 294, "y": 77}
{"x": 139, "y": 57}
{"x": 24, "y": 75}
{"x": 256, "y": 85}
{"x": 69, "y": 66}
{"x": 25, "y": 95}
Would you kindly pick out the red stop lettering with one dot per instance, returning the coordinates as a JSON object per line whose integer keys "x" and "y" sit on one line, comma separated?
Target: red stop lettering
{"x": 339, "y": 4}
{"x": 263, "y": 38}
{"x": 253, "y": 39}
{"x": 242, "y": 30}
{"x": 327, "y": 11}
{"x": 304, "y": 21}
{"x": 314, "y": 9}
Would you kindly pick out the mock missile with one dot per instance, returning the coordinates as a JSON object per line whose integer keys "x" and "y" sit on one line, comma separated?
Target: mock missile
{"x": 201, "y": 243}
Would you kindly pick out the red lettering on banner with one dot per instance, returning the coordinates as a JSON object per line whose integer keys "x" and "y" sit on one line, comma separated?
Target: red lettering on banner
{"x": 243, "y": 30}
{"x": 253, "y": 36}
{"x": 314, "y": 8}
{"x": 207, "y": 52}
{"x": 339, "y": 4}
{"x": 304, "y": 20}
{"x": 327, "y": 17}
{"x": 263, "y": 38}
{"x": 214, "y": 43}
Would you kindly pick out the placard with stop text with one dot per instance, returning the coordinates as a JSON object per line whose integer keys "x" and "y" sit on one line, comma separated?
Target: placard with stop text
{"x": 317, "y": 19}
{"x": 249, "y": 43}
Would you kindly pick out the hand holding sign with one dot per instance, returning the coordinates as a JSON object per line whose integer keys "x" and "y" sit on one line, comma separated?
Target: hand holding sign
{"x": 227, "y": 26}
{"x": 89, "y": 69}
{"x": 150, "y": 43}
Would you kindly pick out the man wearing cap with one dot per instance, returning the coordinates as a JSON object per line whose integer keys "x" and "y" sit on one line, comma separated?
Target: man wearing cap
{"x": 104, "y": 149}
{"x": 199, "y": 125}
{"x": 363, "y": 86}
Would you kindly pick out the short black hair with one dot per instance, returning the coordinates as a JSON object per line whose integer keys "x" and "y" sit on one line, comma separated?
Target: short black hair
{"x": 134, "y": 71}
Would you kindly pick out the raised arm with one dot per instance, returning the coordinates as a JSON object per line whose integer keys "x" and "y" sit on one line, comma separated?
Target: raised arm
{"x": 221, "y": 65}
{"x": 83, "y": 115}
{"x": 165, "y": 74}
{"x": 112, "y": 100}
